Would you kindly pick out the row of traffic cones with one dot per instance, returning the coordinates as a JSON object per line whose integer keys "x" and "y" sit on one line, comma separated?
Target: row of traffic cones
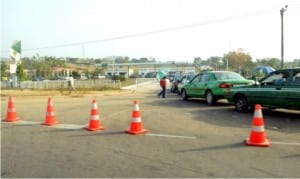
{"x": 257, "y": 135}
{"x": 136, "y": 126}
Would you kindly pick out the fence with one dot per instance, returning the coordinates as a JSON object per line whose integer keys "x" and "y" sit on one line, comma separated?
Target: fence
{"x": 78, "y": 84}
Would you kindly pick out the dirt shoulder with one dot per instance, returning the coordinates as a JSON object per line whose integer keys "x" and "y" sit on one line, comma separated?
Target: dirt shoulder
{"x": 18, "y": 92}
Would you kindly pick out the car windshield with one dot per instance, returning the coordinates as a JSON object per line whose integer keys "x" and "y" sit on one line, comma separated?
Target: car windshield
{"x": 189, "y": 77}
{"x": 228, "y": 76}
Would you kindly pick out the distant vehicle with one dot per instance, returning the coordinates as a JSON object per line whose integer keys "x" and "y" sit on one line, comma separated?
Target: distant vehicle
{"x": 174, "y": 84}
{"x": 39, "y": 78}
{"x": 151, "y": 75}
{"x": 261, "y": 71}
{"x": 279, "y": 89}
{"x": 212, "y": 85}
{"x": 58, "y": 78}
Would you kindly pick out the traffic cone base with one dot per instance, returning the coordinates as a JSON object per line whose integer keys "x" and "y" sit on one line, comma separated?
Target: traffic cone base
{"x": 266, "y": 143}
{"x": 7, "y": 119}
{"x": 142, "y": 131}
{"x": 94, "y": 126}
{"x": 50, "y": 123}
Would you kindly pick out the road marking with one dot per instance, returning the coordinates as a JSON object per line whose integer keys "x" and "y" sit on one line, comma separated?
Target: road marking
{"x": 69, "y": 126}
{"x": 23, "y": 122}
{"x": 287, "y": 143}
{"x": 171, "y": 136}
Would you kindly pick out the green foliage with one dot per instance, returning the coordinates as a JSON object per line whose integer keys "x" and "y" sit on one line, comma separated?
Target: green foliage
{"x": 118, "y": 77}
{"x": 273, "y": 62}
{"x": 4, "y": 67}
{"x": 20, "y": 72}
{"x": 75, "y": 74}
{"x": 237, "y": 60}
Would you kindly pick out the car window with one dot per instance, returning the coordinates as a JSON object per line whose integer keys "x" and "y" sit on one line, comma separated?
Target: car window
{"x": 228, "y": 76}
{"x": 196, "y": 79}
{"x": 296, "y": 78}
{"x": 205, "y": 78}
{"x": 280, "y": 76}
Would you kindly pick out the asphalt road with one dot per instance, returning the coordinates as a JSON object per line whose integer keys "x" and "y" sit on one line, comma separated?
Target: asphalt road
{"x": 185, "y": 139}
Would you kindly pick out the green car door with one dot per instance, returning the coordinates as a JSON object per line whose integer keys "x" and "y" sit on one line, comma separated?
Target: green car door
{"x": 270, "y": 91}
{"x": 193, "y": 87}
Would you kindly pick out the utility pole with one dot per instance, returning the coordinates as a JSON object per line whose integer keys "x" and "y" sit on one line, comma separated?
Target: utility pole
{"x": 83, "y": 51}
{"x": 282, "y": 10}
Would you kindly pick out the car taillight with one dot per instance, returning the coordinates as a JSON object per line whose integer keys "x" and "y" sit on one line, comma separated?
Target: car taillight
{"x": 225, "y": 85}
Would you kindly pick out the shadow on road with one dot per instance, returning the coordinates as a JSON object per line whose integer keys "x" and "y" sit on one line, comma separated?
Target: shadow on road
{"x": 218, "y": 147}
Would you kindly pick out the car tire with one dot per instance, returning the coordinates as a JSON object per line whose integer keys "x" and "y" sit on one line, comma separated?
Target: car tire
{"x": 210, "y": 99}
{"x": 184, "y": 95}
{"x": 241, "y": 103}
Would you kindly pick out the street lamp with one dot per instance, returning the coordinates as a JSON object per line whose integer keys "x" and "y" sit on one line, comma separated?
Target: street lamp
{"x": 282, "y": 10}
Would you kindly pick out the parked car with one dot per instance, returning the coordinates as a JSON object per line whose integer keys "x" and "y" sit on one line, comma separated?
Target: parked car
{"x": 184, "y": 80}
{"x": 38, "y": 78}
{"x": 279, "y": 89}
{"x": 212, "y": 85}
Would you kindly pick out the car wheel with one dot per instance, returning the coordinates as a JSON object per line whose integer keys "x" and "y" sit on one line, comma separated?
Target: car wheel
{"x": 241, "y": 103}
{"x": 210, "y": 99}
{"x": 184, "y": 96}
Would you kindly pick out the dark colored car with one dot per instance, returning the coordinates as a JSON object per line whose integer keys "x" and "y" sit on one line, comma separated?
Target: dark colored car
{"x": 279, "y": 89}
{"x": 212, "y": 85}
{"x": 174, "y": 84}
{"x": 38, "y": 78}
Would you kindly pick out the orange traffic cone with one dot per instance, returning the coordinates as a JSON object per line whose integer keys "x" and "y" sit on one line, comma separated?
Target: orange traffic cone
{"x": 11, "y": 115}
{"x": 136, "y": 126}
{"x": 50, "y": 118}
{"x": 94, "y": 123}
{"x": 257, "y": 135}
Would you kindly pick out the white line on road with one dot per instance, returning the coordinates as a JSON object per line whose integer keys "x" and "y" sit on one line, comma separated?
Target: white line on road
{"x": 172, "y": 136}
{"x": 286, "y": 143}
{"x": 69, "y": 126}
{"x": 23, "y": 122}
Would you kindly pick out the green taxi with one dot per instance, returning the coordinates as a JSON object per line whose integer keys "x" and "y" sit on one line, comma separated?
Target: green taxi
{"x": 212, "y": 85}
{"x": 279, "y": 89}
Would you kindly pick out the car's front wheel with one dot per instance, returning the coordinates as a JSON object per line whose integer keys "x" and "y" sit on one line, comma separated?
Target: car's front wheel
{"x": 241, "y": 103}
{"x": 184, "y": 95}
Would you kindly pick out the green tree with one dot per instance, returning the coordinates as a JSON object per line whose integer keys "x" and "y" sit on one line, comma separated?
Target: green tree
{"x": 238, "y": 61}
{"x": 4, "y": 67}
{"x": 197, "y": 61}
{"x": 272, "y": 62}
{"x": 20, "y": 72}
{"x": 215, "y": 62}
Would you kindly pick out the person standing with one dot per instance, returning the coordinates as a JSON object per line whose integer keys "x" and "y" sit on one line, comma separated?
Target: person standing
{"x": 71, "y": 84}
{"x": 163, "y": 84}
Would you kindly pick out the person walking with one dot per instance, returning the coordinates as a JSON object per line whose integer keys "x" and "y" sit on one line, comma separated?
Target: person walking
{"x": 71, "y": 84}
{"x": 163, "y": 84}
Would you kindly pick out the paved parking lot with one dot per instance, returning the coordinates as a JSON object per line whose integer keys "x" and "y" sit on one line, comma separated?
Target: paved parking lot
{"x": 185, "y": 139}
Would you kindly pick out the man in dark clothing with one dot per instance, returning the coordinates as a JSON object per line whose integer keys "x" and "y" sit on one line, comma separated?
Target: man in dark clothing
{"x": 163, "y": 84}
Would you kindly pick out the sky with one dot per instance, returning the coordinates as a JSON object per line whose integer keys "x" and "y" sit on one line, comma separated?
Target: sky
{"x": 167, "y": 30}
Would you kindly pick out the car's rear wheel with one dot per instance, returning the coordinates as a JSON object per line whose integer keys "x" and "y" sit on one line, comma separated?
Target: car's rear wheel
{"x": 210, "y": 99}
{"x": 241, "y": 103}
{"x": 184, "y": 95}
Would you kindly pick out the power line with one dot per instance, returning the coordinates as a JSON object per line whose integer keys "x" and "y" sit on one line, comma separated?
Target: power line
{"x": 170, "y": 29}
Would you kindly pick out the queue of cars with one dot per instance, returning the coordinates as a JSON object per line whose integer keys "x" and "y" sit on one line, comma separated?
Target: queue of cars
{"x": 279, "y": 89}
